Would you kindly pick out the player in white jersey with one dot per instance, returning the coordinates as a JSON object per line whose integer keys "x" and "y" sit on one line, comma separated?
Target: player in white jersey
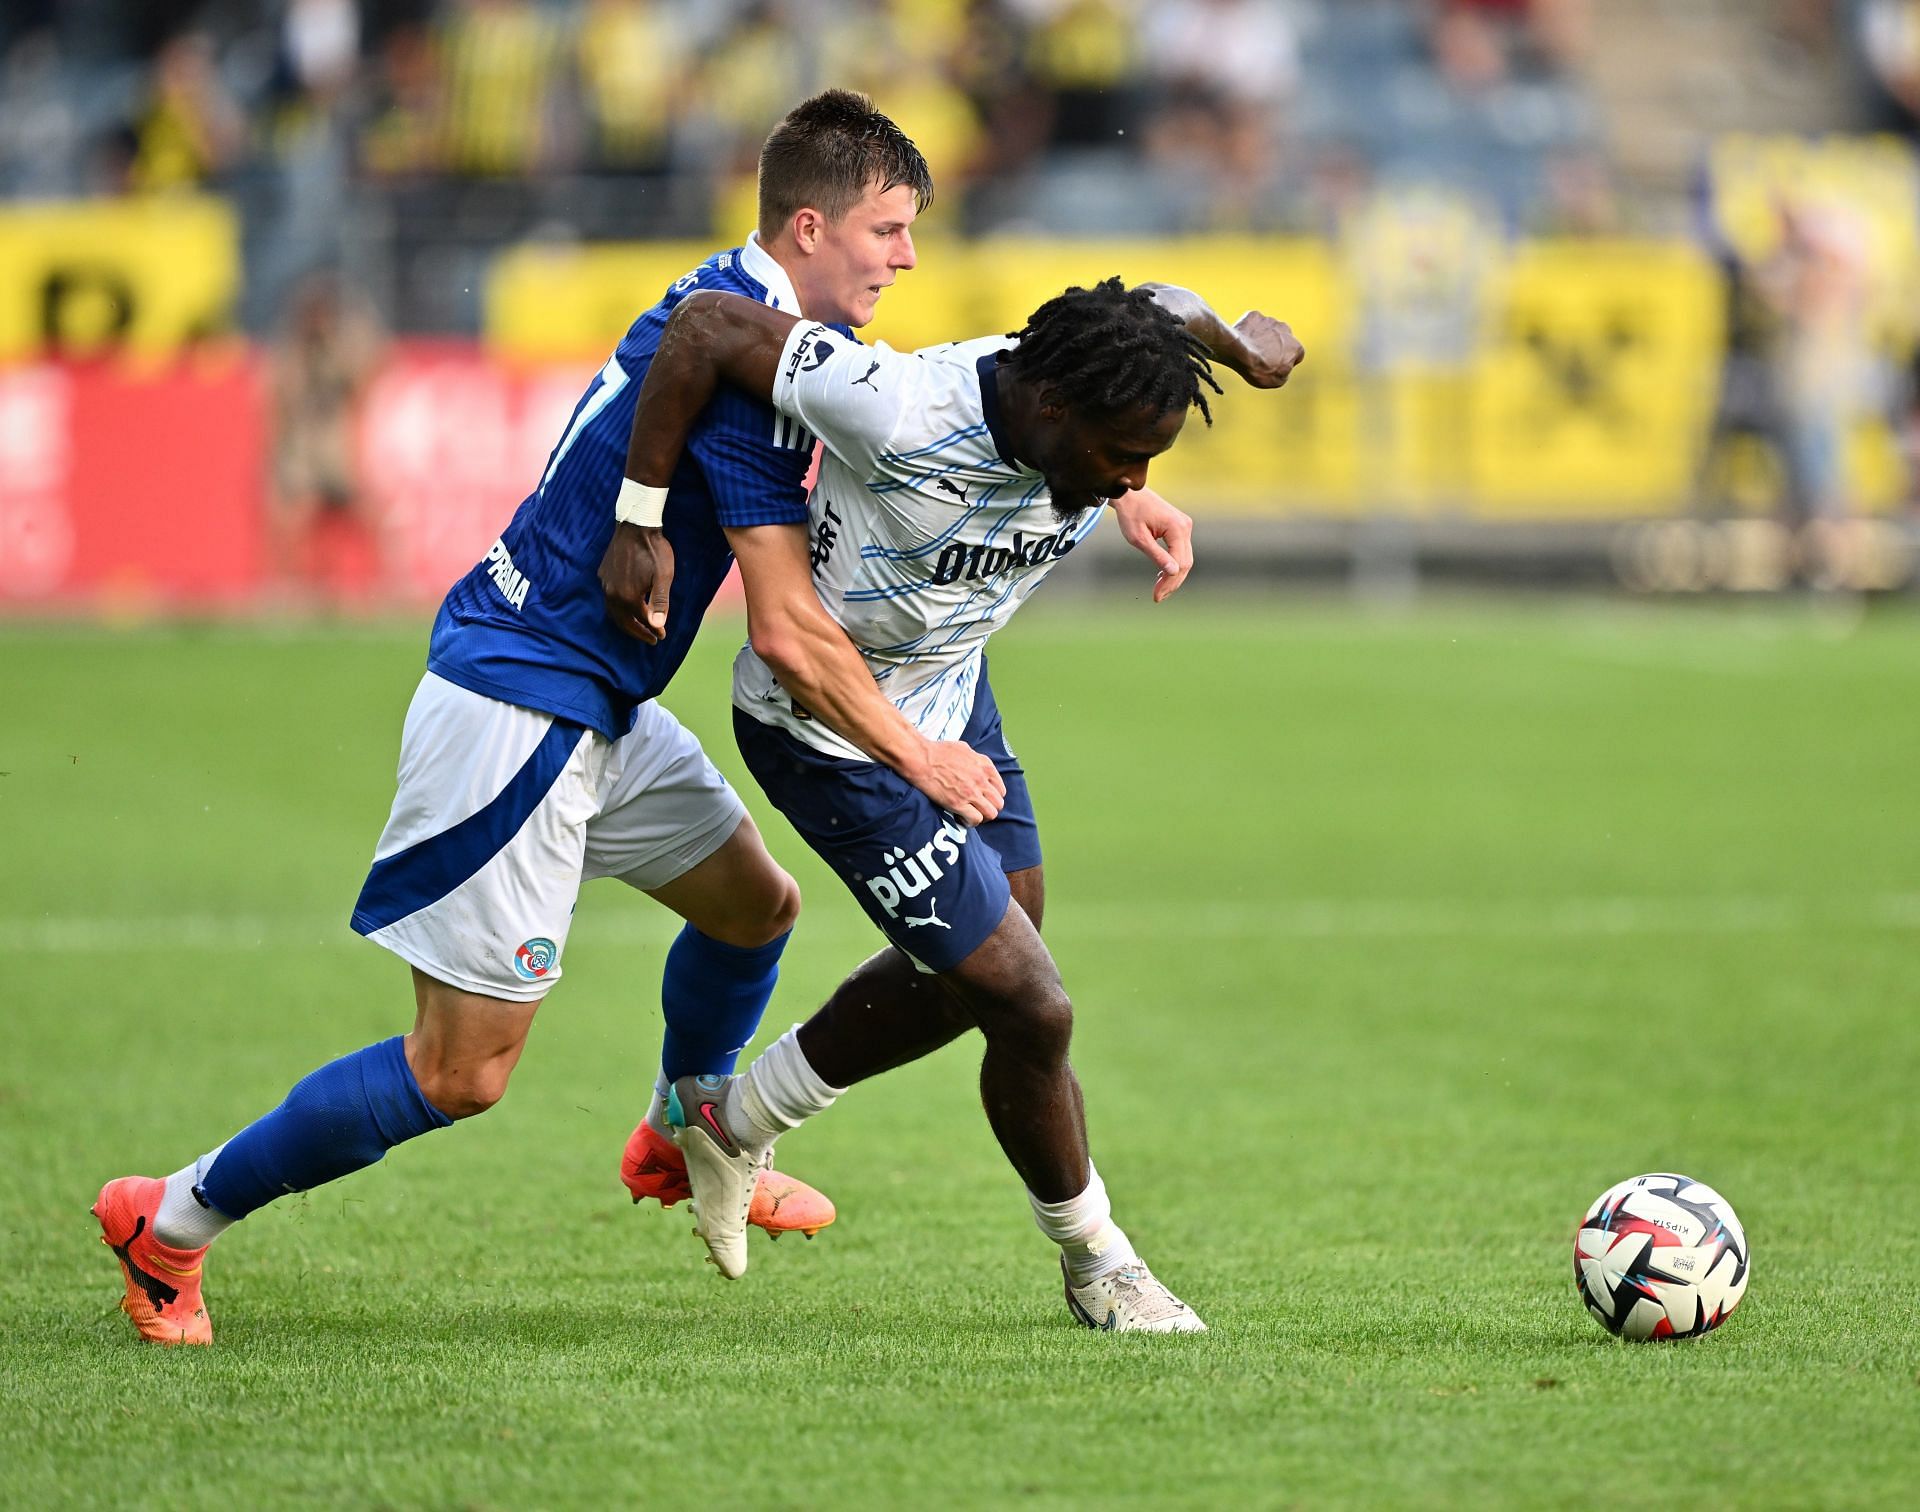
{"x": 954, "y": 479}
{"x": 925, "y": 539}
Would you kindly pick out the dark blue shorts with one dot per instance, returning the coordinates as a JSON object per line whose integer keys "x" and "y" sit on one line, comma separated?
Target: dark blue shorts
{"x": 934, "y": 887}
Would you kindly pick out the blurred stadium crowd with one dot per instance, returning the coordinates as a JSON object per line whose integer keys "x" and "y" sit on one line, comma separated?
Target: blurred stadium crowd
{"x": 1418, "y": 175}
{"x": 474, "y": 121}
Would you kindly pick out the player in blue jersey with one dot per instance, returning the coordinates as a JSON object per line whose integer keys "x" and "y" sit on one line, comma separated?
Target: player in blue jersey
{"x": 535, "y": 754}
{"x": 954, "y": 479}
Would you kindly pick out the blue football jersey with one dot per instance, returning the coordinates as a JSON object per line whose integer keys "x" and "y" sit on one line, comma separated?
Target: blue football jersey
{"x": 528, "y": 625}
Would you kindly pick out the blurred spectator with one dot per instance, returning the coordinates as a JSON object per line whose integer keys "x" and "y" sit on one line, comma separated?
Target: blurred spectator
{"x": 40, "y": 128}
{"x": 1889, "y": 33}
{"x": 632, "y": 58}
{"x": 748, "y": 80}
{"x": 1908, "y": 424}
{"x": 1817, "y": 284}
{"x": 309, "y": 158}
{"x": 22, "y": 19}
{"x": 1083, "y": 54}
{"x": 1245, "y": 53}
{"x": 190, "y": 129}
{"x": 323, "y": 536}
{"x": 321, "y": 43}
{"x": 499, "y": 64}
{"x": 907, "y": 55}
{"x": 752, "y": 75}
{"x": 1480, "y": 43}
{"x": 1225, "y": 71}
{"x": 1422, "y": 260}
{"x": 989, "y": 66}
{"x": 1581, "y": 197}
{"x": 402, "y": 135}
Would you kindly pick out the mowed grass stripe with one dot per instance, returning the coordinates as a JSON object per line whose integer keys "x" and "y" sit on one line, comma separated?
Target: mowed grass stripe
{"x": 1394, "y": 940}
{"x": 1296, "y": 919}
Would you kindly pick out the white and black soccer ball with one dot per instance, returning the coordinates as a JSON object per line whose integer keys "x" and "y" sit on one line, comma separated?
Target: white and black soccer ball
{"x": 1660, "y": 1257}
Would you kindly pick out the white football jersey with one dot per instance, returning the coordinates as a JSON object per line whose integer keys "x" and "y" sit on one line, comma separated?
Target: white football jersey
{"x": 925, "y": 536}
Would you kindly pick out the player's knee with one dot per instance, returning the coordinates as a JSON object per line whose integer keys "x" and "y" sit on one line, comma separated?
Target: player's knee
{"x": 782, "y": 910}
{"x": 1040, "y": 1022}
{"x": 463, "y": 1091}
{"x": 761, "y": 916}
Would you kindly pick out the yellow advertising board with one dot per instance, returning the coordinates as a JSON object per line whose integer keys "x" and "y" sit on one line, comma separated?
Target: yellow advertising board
{"x": 573, "y": 304}
{"x": 1596, "y": 380}
{"x": 1586, "y": 391}
{"x": 146, "y": 276}
{"x": 1263, "y": 451}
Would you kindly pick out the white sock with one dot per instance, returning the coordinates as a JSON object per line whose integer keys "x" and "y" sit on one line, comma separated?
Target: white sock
{"x": 184, "y": 1221}
{"x": 778, "y": 1092}
{"x": 1084, "y": 1229}
{"x": 657, "y": 1109}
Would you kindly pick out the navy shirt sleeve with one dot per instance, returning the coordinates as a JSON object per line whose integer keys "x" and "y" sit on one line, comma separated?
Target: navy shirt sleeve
{"x": 755, "y": 460}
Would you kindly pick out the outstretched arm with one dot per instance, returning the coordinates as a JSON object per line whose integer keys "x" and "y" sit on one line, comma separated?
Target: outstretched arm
{"x": 713, "y": 337}
{"x": 1262, "y": 350}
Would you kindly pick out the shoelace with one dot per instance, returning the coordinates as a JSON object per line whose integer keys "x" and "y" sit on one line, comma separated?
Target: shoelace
{"x": 765, "y": 1163}
{"x": 1151, "y": 1300}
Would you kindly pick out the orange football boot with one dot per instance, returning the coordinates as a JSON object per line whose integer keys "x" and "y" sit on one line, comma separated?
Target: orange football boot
{"x": 163, "y": 1283}
{"x": 654, "y": 1167}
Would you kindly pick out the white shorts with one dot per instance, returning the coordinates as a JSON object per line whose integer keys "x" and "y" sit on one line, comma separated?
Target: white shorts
{"x": 502, "y": 813}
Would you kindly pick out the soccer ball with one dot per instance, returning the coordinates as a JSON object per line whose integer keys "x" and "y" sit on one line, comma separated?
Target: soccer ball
{"x": 1660, "y": 1257}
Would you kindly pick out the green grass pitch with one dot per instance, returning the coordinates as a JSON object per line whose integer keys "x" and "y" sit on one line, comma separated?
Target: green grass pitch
{"x": 1393, "y": 942}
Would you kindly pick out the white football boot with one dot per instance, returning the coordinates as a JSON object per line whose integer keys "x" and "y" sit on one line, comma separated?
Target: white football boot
{"x": 722, "y": 1171}
{"x": 1129, "y": 1300}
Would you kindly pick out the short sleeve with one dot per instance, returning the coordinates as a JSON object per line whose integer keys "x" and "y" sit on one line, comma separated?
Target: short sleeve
{"x": 755, "y": 461}
{"x": 851, "y": 396}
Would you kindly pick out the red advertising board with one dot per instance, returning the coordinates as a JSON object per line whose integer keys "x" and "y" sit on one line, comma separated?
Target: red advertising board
{"x": 137, "y": 488}
{"x": 451, "y": 441}
{"x": 128, "y": 486}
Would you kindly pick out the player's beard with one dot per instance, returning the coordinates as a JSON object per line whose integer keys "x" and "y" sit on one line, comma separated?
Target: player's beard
{"x": 1068, "y": 507}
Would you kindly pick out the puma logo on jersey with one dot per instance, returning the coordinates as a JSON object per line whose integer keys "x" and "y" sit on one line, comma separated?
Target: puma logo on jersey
{"x": 910, "y": 873}
{"x": 980, "y": 560}
{"x": 947, "y": 485}
{"x": 865, "y": 378}
{"x": 913, "y": 921}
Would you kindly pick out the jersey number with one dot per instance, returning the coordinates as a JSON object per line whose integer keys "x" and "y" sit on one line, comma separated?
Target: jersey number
{"x": 610, "y": 380}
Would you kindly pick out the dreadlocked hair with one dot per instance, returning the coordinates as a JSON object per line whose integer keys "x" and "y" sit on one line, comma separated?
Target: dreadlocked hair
{"x": 1110, "y": 349}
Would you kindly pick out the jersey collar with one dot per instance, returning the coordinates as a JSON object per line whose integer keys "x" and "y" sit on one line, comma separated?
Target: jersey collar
{"x": 759, "y": 265}
{"x": 988, "y": 368}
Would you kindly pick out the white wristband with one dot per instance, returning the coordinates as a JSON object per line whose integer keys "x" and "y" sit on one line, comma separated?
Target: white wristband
{"x": 640, "y": 504}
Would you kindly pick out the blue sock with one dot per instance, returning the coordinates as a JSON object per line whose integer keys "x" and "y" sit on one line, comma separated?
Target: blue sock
{"x": 712, "y": 996}
{"x": 344, "y": 1116}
